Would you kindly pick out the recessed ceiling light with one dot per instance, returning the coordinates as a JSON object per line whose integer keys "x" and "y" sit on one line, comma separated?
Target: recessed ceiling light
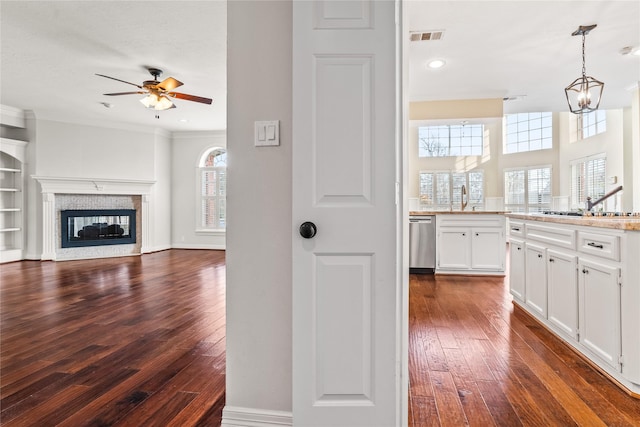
{"x": 630, "y": 50}
{"x": 184, "y": 120}
{"x": 436, "y": 63}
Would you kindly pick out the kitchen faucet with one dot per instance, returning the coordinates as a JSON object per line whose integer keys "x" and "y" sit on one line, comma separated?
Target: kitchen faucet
{"x": 463, "y": 202}
{"x": 590, "y": 204}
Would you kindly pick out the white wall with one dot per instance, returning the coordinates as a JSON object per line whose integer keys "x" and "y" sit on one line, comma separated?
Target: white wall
{"x": 160, "y": 237}
{"x": 186, "y": 151}
{"x": 260, "y": 231}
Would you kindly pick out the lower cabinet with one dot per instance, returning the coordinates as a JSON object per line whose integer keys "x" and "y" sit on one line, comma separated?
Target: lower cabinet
{"x": 471, "y": 244}
{"x": 516, "y": 269}
{"x": 562, "y": 288}
{"x": 536, "y": 279}
{"x": 600, "y": 310}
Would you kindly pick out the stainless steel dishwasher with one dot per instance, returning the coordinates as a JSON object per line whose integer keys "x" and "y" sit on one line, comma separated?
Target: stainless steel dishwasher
{"x": 422, "y": 243}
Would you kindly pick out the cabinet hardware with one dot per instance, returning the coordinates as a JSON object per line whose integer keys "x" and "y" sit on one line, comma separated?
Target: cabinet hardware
{"x": 464, "y": 234}
{"x": 539, "y": 256}
{"x": 515, "y": 229}
{"x": 477, "y": 234}
{"x": 585, "y": 271}
{"x": 519, "y": 248}
{"x": 552, "y": 260}
{"x": 595, "y": 245}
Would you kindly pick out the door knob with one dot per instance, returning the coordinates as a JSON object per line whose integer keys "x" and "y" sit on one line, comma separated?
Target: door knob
{"x": 308, "y": 230}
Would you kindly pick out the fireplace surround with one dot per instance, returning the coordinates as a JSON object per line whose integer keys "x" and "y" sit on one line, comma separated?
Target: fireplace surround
{"x": 59, "y": 194}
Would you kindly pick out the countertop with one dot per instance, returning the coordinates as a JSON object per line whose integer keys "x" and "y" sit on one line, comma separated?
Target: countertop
{"x": 617, "y": 222}
{"x": 469, "y": 212}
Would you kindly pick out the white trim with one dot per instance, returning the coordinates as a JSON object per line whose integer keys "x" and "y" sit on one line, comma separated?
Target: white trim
{"x": 198, "y": 246}
{"x": 212, "y": 231}
{"x": 11, "y": 116}
{"x": 234, "y": 416}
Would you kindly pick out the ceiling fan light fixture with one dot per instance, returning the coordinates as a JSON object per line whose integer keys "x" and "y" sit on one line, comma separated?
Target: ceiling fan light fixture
{"x": 157, "y": 102}
{"x": 585, "y": 92}
{"x": 163, "y": 103}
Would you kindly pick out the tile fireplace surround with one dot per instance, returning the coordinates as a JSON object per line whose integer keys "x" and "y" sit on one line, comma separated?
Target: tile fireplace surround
{"x": 81, "y": 193}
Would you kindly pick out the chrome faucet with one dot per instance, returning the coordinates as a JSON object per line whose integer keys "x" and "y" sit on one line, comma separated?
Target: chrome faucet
{"x": 463, "y": 202}
{"x": 589, "y": 204}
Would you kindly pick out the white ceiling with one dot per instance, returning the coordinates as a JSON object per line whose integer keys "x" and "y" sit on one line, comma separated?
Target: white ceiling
{"x": 51, "y": 50}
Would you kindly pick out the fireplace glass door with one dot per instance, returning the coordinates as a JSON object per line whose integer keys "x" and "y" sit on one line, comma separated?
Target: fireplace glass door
{"x": 97, "y": 227}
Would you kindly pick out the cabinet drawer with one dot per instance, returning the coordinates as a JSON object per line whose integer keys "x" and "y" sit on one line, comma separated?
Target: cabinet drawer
{"x": 562, "y": 237}
{"x": 470, "y": 220}
{"x": 516, "y": 228}
{"x": 602, "y": 245}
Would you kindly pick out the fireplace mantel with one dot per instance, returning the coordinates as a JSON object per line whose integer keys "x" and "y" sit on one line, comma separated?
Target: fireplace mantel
{"x": 51, "y": 186}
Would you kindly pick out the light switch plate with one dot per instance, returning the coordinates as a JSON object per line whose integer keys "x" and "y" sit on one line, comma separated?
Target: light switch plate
{"x": 267, "y": 133}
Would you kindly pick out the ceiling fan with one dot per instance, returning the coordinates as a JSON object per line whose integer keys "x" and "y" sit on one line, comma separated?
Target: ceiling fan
{"x": 158, "y": 92}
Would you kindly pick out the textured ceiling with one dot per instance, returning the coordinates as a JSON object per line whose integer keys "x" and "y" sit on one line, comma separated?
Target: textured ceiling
{"x": 51, "y": 51}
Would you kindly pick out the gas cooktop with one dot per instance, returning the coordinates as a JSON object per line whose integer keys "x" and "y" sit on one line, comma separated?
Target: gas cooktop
{"x": 595, "y": 214}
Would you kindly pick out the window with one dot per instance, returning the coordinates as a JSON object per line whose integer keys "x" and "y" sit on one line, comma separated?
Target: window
{"x": 587, "y": 180}
{"x": 442, "y": 190}
{"x": 593, "y": 123}
{"x": 527, "y": 190}
{"x": 213, "y": 190}
{"x": 528, "y": 132}
{"x": 445, "y": 141}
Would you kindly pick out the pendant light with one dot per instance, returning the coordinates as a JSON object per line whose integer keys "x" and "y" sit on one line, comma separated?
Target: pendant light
{"x": 584, "y": 94}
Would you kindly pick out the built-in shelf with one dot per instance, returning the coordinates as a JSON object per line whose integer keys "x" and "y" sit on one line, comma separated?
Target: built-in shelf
{"x": 10, "y": 170}
{"x": 10, "y": 210}
{"x": 9, "y": 189}
{"x": 5, "y": 230}
{"x": 12, "y": 179}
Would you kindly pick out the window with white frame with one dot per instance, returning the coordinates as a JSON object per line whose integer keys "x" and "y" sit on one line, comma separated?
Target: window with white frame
{"x": 213, "y": 190}
{"x": 450, "y": 140}
{"x": 588, "y": 179}
{"x": 442, "y": 190}
{"x": 586, "y": 125}
{"x": 528, "y": 189}
{"x": 528, "y": 132}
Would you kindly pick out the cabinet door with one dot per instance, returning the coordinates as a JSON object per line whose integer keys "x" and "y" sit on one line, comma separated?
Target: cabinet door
{"x": 454, "y": 248}
{"x": 536, "y": 278}
{"x": 516, "y": 269}
{"x": 487, "y": 249}
{"x": 600, "y": 310}
{"x": 562, "y": 286}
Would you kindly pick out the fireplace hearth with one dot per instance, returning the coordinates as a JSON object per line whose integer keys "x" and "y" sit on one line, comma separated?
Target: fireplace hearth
{"x": 97, "y": 227}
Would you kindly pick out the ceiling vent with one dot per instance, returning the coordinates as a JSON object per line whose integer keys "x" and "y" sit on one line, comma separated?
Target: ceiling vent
{"x": 418, "y": 36}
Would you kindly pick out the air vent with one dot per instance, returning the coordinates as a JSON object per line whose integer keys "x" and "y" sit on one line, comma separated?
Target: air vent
{"x": 418, "y": 36}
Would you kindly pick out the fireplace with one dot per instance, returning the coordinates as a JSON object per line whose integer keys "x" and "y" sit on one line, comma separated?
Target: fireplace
{"x": 97, "y": 227}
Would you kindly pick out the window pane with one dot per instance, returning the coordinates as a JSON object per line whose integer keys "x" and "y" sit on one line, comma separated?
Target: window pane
{"x": 529, "y": 130}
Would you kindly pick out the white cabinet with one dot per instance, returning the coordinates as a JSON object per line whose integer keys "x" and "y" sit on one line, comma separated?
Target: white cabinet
{"x": 454, "y": 245}
{"x": 600, "y": 310}
{"x": 536, "y": 279}
{"x": 562, "y": 288}
{"x": 516, "y": 269}
{"x": 470, "y": 244}
{"x": 12, "y": 155}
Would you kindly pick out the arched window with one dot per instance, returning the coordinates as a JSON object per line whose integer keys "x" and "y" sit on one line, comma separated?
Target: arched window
{"x": 213, "y": 189}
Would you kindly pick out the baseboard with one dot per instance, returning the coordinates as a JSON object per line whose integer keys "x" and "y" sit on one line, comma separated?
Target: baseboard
{"x": 197, "y": 246}
{"x": 234, "y": 416}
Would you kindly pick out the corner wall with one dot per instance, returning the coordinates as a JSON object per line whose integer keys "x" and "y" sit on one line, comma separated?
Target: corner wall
{"x": 260, "y": 231}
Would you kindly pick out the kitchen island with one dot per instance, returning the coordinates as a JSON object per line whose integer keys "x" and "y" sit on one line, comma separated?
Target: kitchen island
{"x": 579, "y": 276}
{"x": 469, "y": 242}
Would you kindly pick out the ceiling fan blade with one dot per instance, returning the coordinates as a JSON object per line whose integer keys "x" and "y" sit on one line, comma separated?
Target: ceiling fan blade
{"x": 169, "y": 84}
{"x": 124, "y": 93}
{"x": 190, "y": 97}
{"x": 113, "y": 78}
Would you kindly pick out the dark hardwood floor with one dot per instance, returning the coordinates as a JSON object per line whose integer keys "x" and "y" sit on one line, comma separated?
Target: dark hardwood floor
{"x": 476, "y": 360}
{"x": 139, "y": 341}
{"x": 135, "y": 341}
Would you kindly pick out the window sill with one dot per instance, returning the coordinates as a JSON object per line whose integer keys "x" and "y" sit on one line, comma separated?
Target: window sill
{"x": 211, "y": 232}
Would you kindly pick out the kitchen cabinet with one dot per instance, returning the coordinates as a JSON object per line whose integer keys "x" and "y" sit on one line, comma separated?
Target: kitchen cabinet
{"x": 600, "y": 310}
{"x": 562, "y": 288}
{"x": 536, "y": 279}
{"x": 580, "y": 281}
{"x": 516, "y": 269}
{"x": 470, "y": 244}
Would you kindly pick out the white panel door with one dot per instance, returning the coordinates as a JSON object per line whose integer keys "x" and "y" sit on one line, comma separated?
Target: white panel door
{"x": 536, "y": 279}
{"x": 600, "y": 310}
{"x": 562, "y": 285}
{"x": 454, "y": 248}
{"x": 487, "y": 249}
{"x": 516, "y": 269}
{"x": 344, "y": 278}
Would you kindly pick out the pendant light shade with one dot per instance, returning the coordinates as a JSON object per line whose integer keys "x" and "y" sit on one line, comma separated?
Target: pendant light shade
{"x": 157, "y": 102}
{"x": 585, "y": 93}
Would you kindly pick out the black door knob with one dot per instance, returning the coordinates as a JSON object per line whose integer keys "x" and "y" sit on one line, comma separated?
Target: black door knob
{"x": 308, "y": 230}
